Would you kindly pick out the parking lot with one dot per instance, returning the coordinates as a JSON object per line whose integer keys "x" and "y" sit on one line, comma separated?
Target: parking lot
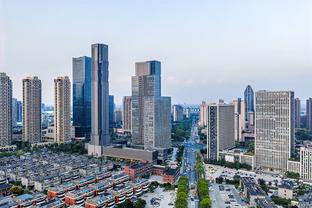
{"x": 161, "y": 198}
{"x": 225, "y": 196}
{"x": 214, "y": 171}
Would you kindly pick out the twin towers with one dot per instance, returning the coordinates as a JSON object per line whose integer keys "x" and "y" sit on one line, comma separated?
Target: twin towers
{"x": 151, "y": 112}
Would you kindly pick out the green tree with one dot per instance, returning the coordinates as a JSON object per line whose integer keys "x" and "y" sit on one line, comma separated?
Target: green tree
{"x": 182, "y": 194}
{"x": 17, "y": 190}
{"x": 263, "y": 185}
{"x": 205, "y": 203}
{"x": 292, "y": 175}
{"x": 281, "y": 201}
{"x": 141, "y": 203}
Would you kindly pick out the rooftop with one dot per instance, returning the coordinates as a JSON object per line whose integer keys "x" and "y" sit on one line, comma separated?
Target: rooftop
{"x": 98, "y": 200}
{"x": 252, "y": 187}
{"x": 265, "y": 203}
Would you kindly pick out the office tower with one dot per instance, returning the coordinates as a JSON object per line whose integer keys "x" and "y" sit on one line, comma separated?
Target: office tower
{"x": 239, "y": 116}
{"x": 187, "y": 112}
{"x": 14, "y": 112}
{"x": 5, "y": 110}
{"x": 297, "y": 113}
{"x": 177, "y": 113}
{"x": 99, "y": 96}
{"x": 220, "y": 129}
{"x": 249, "y": 104}
{"x": 42, "y": 107}
{"x": 19, "y": 111}
{"x": 203, "y": 114}
{"x": 111, "y": 109}
{"x": 151, "y": 116}
{"x": 306, "y": 162}
{"x": 117, "y": 117}
{"x": 31, "y": 110}
{"x": 274, "y": 139}
{"x": 126, "y": 113}
{"x": 309, "y": 114}
{"x": 82, "y": 96}
{"x": 62, "y": 123}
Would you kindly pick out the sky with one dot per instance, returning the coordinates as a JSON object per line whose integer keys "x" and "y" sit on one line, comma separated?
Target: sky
{"x": 208, "y": 49}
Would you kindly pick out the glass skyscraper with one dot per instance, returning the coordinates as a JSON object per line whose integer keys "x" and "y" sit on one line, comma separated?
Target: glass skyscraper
{"x": 249, "y": 103}
{"x": 111, "y": 106}
{"x": 82, "y": 96}
{"x": 249, "y": 99}
{"x": 19, "y": 111}
{"x": 151, "y": 112}
{"x": 99, "y": 95}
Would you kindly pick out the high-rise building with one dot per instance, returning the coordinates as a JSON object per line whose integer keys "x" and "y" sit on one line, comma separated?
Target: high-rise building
{"x": 187, "y": 112}
{"x": 19, "y": 111}
{"x": 220, "y": 129}
{"x": 239, "y": 118}
{"x": 297, "y": 113}
{"x": 31, "y": 109}
{"x": 117, "y": 117}
{"x": 151, "y": 112}
{"x": 203, "y": 114}
{"x": 5, "y": 110}
{"x": 177, "y": 113}
{"x": 99, "y": 96}
{"x": 126, "y": 113}
{"x": 62, "y": 123}
{"x": 309, "y": 114}
{"x": 82, "y": 96}
{"x": 14, "y": 112}
{"x": 306, "y": 162}
{"x": 249, "y": 104}
{"x": 111, "y": 109}
{"x": 274, "y": 134}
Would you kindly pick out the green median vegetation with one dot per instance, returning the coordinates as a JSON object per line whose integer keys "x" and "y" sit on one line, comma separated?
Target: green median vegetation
{"x": 182, "y": 195}
{"x": 202, "y": 184}
{"x": 200, "y": 167}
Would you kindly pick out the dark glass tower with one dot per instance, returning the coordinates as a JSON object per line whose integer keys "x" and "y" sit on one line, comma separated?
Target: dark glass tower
{"x": 111, "y": 106}
{"x": 99, "y": 96}
{"x": 82, "y": 96}
{"x": 19, "y": 111}
{"x": 249, "y": 101}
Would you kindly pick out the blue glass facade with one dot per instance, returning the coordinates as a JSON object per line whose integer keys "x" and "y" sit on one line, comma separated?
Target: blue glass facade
{"x": 82, "y": 96}
{"x": 19, "y": 111}
{"x": 249, "y": 100}
{"x": 111, "y": 109}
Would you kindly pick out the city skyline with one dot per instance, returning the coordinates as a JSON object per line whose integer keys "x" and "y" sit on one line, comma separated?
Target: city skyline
{"x": 255, "y": 49}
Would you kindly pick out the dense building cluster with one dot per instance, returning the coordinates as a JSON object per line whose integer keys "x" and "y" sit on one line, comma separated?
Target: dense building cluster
{"x": 68, "y": 180}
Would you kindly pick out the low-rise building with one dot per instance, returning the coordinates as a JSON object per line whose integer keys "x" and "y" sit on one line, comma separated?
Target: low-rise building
{"x": 306, "y": 162}
{"x": 286, "y": 189}
{"x": 293, "y": 166}
{"x": 78, "y": 197}
{"x": 171, "y": 175}
{"x": 138, "y": 170}
{"x": 8, "y": 201}
{"x": 251, "y": 190}
{"x": 54, "y": 203}
{"x": 265, "y": 203}
{"x": 104, "y": 200}
{"x": 4, "y": 187}
{"x": 238, "y": 155}
{"x": 119, "y": 178}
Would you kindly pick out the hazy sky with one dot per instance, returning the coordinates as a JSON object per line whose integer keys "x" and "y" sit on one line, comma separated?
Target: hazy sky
{"x": 208, "y": 49}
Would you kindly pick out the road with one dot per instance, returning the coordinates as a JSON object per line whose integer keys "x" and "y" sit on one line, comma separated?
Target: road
{"x": 188, "y": 166}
